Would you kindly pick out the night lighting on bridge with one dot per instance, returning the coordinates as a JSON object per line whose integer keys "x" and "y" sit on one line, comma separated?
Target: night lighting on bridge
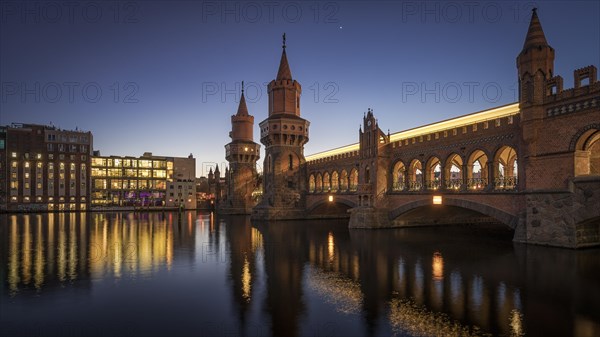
{"x": 437, "y": 199}
{"x": 331, "y": 198}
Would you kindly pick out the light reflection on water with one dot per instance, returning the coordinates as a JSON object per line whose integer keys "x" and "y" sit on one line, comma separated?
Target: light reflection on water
{"x": 196, "y": 274}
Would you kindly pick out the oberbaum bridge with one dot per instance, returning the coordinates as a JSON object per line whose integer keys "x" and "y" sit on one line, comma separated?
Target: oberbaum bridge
{"x": 461, "y": 170}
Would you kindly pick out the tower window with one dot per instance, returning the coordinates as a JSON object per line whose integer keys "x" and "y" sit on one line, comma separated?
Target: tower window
{"x": 291, "y": 162}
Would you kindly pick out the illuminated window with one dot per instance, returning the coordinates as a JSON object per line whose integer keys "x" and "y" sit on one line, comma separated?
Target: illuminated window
{"x": 39, "y": 185}
{"x": 39, "y": 156}
{"x": 13, "y": 154}
{"x": 26, "y": 164}
{"x": 39, "y": 165}
{"x": 26, "y": 185}
{"x": 26, "y": 175}
{"x": 14, "y": 164}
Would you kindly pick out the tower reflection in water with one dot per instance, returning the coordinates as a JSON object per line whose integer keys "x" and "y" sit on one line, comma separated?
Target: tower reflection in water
{"x": 295, "y": 279}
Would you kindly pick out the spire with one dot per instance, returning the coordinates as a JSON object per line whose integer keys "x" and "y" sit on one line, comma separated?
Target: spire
{"x": 284, "y": 72}
{"x": 535, "y": 34}
{"x": 217, "y": 169}
{"x": 242, "y": 108}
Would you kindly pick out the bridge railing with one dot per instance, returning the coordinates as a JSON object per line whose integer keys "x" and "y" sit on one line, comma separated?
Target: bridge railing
{"x": 415, "y": 185}
{"x": 477, "y": 183}
{"x": 453, "y": 184}
{"x": 398, "y": 186}
{"x": 505, "y": 183}
{"x": 433, "y": 185}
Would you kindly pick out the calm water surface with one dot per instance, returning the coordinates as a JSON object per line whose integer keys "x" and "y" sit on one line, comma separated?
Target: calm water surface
{"x": 165, "y": 274}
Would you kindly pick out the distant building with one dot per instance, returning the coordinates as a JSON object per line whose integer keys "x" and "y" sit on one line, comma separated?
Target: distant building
{"x": 139, "y": 182}
{"x": 181, "y": 187}
{"x": 44, "y": 168}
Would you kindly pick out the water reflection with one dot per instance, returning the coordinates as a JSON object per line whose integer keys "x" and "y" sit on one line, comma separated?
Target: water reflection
{"x": 210, "y": 275}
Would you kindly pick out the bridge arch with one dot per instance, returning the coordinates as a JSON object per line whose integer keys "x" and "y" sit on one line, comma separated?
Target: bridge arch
{"x": 586, "y": 147}
{"x": 344, "y": 180}
{"x": 326, "y": 182}
{"x": 311, "y": 183}
{"x": 337, "y": 201}
{"x": 398, "y": 172}
{"x": 433, "y": 173}
{"x": 453, "y": 171}
{"x": 319, "y": 183}
{"x": 478, "y": 170}
{"x": 508, "y": 219}
{"x": 415, "y": 175}
{"x": 505, "y": 167}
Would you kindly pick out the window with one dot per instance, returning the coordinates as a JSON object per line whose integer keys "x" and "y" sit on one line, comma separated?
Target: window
{"x": 13, "y": 154}
{"x": 38, "y": 156}
{"x": 27, "y": 164}
{"x": 13, "y": 164}
{"x": 1, "y": 144}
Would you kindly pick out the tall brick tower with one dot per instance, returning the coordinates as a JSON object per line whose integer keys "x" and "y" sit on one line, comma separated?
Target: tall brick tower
{"x": 535, "y": 65}
{"x": 241, "y": 153}
{"x": 284, "y": 134}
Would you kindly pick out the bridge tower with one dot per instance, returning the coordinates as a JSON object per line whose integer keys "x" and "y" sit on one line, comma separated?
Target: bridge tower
{"x": 284, "y": 134}
{"x": 559, "y": 134}
{"x": 535, "y": 65}
{"x": 242, "y": 153}
{"x": 373, "y": 165}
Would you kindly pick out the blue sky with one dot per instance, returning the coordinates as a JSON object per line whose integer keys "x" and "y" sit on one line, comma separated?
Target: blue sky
{"x": 164, "y": 76}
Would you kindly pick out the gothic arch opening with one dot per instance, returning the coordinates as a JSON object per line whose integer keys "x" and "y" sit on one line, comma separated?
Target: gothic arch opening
{"x": 398, "y": 176}
{"x": 415, "y": 175}
{"x": 334, "y": 181}
{"x": 326, "y": 182}
{"x": 319, "y": 183}
{"x": 344, "y": 181}
{"x": 505, "y": 168}
{"x": 353, "y": 179}
{"x": 433, "y": 173}
{"x": 453, "y": 172}
{"x": 477, "y": 170}
{"x": 311, "y": 184}
{"x": 587, "y": 153}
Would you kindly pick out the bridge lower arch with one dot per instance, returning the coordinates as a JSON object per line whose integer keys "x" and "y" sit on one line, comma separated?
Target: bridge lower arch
{"x": 336, "y": 207}
{"x": 495, "y": 213}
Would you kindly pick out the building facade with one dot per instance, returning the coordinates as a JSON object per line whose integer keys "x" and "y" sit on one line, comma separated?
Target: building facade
{"x": 139, "y": 182}
{"x": 44, "y": 168}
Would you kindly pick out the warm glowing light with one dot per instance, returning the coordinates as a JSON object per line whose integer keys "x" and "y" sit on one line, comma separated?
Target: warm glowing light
{"x": 503, "y": 111}
{"x": 516, "y": 323}
{"x": 438, "y": 266}
{"x": 437, "y": 199}
{"x": 331, "y": 198}
{"x": 330, "y": 247}
{"x": 246, "y": 280}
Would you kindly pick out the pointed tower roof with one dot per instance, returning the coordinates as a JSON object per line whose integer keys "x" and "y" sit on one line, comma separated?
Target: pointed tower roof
{"x": 284, "y": 72}
{"x": 217, "y": 169}
{"x": 535, "y": 33}
{"x": 242, "y": 108}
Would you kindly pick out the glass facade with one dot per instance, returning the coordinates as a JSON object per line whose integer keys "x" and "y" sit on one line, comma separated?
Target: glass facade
{"x": 138, "y": 182}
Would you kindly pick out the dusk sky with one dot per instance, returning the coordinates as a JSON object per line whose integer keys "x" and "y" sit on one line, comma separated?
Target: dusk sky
{"x": 164, "y": 76}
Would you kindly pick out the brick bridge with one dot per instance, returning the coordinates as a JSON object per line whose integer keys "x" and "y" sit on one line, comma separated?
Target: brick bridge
{"x": 533, "y": 165}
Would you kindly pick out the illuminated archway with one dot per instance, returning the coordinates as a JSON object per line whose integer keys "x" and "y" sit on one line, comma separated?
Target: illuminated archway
{"x": 354, "y": 179}
{"x": 319, "y": 183}
{"x": 344, "y": 181}
{"x": 505, "y": 168}
{"x": 477, "y": 170}
{"x": 326, "y": 182}
{"x": 398, "y": 176}
{"x": 415, "y": 176}
{"x": 587, "y": 153}
{"x": 433, "y": 173}
{"x": 453, "y": 172}
{"x": 334, "y": 181}
{"x": 311, "y": 184}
